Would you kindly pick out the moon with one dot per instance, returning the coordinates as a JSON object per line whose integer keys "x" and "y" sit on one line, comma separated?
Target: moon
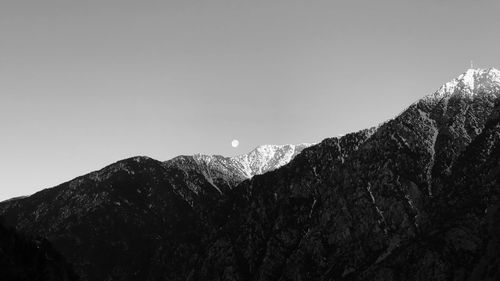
{"x": 235, "y": 143}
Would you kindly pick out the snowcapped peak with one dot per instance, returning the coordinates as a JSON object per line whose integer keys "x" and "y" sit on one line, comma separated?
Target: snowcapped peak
{"x": 472, "y": 82}
{"x": 262, "y": 159}
{"x": 266, "y": 158}
{"x": 268, "y": 150}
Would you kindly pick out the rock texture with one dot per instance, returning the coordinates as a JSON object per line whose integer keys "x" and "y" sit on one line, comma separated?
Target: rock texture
{"x": 415, "y": 198}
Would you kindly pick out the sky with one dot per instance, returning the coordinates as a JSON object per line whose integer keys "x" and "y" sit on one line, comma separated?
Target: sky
{"x": 84, "y": 84}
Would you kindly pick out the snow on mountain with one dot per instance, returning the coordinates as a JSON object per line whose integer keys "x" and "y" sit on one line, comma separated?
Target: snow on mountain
{"x": 472, "y": 82}
{"x": 260, "y": 160}
{"x": 267, "y": 158}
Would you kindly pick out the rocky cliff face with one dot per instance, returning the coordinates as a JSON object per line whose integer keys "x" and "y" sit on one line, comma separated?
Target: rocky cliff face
{"x": 415, "y": 198}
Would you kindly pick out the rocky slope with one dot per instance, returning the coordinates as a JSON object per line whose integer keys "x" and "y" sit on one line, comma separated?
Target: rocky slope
{"x": 415, "y": 198}
{"x": 407, "y": 200}
{"x": 140, "y": 218}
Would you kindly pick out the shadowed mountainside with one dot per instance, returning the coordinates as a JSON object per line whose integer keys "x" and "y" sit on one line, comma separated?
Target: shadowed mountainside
{"x": 23, "y": 258}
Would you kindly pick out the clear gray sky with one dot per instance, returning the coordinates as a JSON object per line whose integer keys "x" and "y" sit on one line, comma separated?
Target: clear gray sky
{"x": 86, "y": 83}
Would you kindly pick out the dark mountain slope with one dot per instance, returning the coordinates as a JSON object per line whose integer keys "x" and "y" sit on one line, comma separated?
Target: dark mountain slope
{"x": 124, "y": 222}
{"x": 26, "y": 259}
{"x": 460, "y": 227}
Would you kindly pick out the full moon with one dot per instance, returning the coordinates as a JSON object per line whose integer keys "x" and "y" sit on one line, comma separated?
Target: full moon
{"x": 235, "y": 143}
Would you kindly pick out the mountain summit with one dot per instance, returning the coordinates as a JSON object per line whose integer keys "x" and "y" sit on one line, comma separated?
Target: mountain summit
{"x": 260, "y": 160}
{"x": 266, "y": 158}
{"x": 473, "y": 81}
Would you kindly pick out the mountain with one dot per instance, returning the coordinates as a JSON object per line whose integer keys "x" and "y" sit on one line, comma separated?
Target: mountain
{"x": 415, "y": 198}
{"x": 408, "y": 200}
{"x": 140, "y": 218}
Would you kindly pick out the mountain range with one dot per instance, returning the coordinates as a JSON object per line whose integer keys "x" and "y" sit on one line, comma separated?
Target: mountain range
{"x": 414, "y": 198}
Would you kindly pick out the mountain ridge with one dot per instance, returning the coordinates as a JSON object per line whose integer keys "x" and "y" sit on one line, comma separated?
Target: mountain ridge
{"x": 406, "y": 200}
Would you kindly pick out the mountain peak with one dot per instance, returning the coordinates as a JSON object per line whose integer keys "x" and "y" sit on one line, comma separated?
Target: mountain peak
{"x": 268, "y": 157}
{"x": 229, "y": 170}
{"x": 472, "y": 82}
